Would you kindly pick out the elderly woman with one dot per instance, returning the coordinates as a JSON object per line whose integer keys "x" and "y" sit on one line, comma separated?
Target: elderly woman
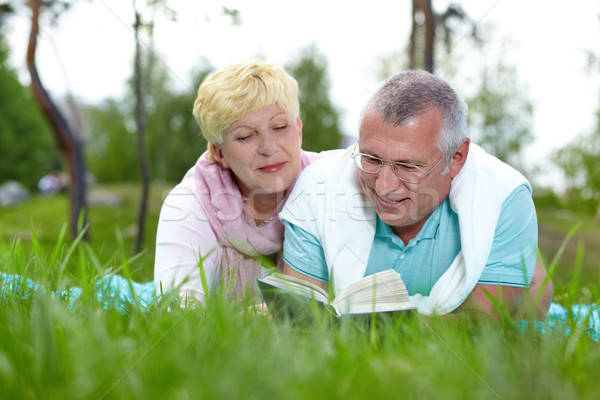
{"x": 223, "y": 214}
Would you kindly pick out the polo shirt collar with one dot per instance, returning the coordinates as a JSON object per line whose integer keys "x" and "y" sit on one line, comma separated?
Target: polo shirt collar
{"x": 429, "y": 230}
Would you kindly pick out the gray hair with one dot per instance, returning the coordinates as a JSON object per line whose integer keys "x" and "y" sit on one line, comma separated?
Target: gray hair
{"x": 409, "y": 93}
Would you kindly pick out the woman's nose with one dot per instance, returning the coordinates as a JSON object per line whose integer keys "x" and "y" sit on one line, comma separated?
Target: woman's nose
{"x": 267, "y": 145}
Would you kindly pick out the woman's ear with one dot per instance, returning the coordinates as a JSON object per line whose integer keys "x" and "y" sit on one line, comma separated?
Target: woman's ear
{"x": 299, "y": 124}
{"x": 218, "y": 153}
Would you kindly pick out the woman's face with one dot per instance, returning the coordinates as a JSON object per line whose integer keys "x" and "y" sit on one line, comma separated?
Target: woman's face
{"x": 262, "y": 149}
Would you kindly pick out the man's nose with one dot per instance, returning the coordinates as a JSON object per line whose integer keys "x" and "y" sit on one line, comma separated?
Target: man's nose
{"x": 386, "y": 180}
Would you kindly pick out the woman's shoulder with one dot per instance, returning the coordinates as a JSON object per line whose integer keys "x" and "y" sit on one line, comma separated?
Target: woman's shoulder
{"x": 187, "y": 186}
{"x": 183, "y": 198}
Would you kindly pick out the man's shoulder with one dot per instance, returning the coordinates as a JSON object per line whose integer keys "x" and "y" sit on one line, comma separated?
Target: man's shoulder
{"x": 518, "y": 207}
{"x": 482, "y": 163}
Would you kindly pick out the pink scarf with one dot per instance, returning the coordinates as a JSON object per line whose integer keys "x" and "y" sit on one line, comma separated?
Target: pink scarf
{"x": 241, "y": 239}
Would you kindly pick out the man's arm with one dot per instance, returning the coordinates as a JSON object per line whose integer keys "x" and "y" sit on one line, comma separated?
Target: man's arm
{"x": 512, "y": 264}
{"x": 516, "y": 301}
{"x": 292, "y": 272}
{"x": 303, "y": 256}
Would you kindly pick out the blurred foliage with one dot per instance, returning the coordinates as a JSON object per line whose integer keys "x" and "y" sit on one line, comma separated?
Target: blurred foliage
{"x": 110, "y": 148}
{"x": 452, "y": 26}
{"x": 26, "y": 147}
{"x": 500, "y": 111}
{"x": 173, "y": 139}
{"x": 501, "y": 114}
{"x": 580, "y": 162}
{"x": 321, "y": 120}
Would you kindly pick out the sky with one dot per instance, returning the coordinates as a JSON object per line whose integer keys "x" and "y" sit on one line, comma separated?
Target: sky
{"x": 89, "y": 54}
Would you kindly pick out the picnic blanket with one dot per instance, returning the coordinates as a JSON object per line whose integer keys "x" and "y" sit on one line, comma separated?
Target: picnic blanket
{"x": 115, "y": 291}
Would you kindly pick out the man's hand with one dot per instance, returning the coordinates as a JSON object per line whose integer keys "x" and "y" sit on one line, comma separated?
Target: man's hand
{"x": 518, "y": 302}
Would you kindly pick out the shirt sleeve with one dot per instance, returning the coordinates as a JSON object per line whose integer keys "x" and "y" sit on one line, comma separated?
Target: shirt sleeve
{"x": 184, "y": 237}
{"x": 513, "y": 254}
{"x": 303, "y": 252}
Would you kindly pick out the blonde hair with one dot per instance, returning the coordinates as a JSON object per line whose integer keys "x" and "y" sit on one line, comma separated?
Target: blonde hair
{"x": 227, "y": 95}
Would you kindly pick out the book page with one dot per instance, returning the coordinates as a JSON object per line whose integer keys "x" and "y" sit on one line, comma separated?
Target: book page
{"x": 383, "y": 291}
{"x": 298, "y": 285}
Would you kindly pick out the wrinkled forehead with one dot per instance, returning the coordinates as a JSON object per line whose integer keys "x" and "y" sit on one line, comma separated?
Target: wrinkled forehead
{"x": 417, "y": 135}
{"x": 373, "y": 119}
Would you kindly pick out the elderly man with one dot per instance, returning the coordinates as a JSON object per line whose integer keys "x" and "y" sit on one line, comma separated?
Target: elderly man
{"x": 415, "y": 195}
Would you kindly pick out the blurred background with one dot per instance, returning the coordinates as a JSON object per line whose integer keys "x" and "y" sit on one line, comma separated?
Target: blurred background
{"x": 96, "y": 98}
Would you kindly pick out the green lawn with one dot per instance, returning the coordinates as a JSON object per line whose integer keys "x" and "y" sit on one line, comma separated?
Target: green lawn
{"x": 49, "y": 351}
{"x": 112, "y": 228}
{"x": 53, "y": 348}
{"x": 553, "y": 228}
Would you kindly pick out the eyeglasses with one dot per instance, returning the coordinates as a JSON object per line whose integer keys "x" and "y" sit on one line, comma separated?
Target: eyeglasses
{"x": 405, "y": 172}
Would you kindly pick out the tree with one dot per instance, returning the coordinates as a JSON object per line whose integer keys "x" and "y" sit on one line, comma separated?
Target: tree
{"x": 26, "y": 147}
{"x": 428, "y": 27}
{"x": 321, "y": 126}
{"x": 142, "y": 72}
{"x": 111, "y": 137}
{"x": 580, "y": 162}
{"x": 500, "y": 114}
{"x": 173, "y": 138}
{"x": 423, "y": 19}
{"x": 429, "y": 31}
{"x": 69, "y": 141}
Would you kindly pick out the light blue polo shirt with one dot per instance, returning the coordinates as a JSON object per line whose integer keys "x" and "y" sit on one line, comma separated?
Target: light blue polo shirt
{"x": 427, "y": 256}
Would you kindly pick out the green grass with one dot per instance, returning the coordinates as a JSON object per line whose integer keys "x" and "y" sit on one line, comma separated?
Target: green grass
{"x": 51, "y": 348}
{"x": 112, "y": 228}
{"x": 553, "y": 227}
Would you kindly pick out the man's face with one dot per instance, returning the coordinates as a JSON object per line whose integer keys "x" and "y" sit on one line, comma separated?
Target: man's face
{"x": 404, "y": 206}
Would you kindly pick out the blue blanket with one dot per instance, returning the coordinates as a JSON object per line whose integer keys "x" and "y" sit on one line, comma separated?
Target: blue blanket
{"x": 114, "y": 291}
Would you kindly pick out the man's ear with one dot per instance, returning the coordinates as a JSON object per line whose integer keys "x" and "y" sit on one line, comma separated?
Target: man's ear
{"x": 459, "y": 157}
{"x": 218, "y": 152}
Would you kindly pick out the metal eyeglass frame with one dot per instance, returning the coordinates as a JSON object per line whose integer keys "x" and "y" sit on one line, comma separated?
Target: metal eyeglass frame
{"x": 392, "y": 165}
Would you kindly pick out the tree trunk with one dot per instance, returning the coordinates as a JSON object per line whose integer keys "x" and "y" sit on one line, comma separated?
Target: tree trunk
{"x": 412, "y": 47}
{"x": 140, "y": 116}
{"x": 425, "y": 46}
{"x": 68, "y": 143}
{"x": 429, "y": 35}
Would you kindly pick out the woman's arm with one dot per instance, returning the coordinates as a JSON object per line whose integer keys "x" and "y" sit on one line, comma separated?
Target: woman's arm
{"x": 183, "y": 238}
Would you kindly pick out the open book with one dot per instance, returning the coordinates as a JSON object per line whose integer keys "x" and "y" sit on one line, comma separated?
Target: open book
{"x": 380, "y": 292}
